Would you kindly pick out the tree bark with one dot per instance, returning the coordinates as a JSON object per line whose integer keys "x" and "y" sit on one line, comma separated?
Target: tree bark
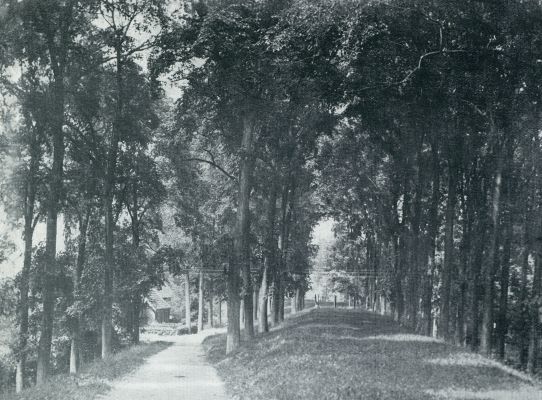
{"x": 233, "y": 335}
{"x": 263, "y": 325}
{"x": 489, "y": 289}
{"x": 433, "y": 231}
{"x": 187, "y": 302}
{"x": 242, "y": 243}
{"x": 211, "y": 300}
{"x": 466, "y": 204}
{"x": 524, "y": 341}
{"x": 444, "y": 327}
{"x": 502, "y": 322}
{"x": 29, "y": 205}
{"x": 80, "y": 263}
{"x": 219, "y": 312}
{"x": 109, "y": 185}
{"x": 255, "y": 296}
{"x": 200, "y": 302}
{"x": 53, "y": 204}
{"x": 534, "y": 314}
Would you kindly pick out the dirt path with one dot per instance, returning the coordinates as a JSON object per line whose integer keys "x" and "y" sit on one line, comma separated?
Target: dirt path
{"x": 179, "y": 372}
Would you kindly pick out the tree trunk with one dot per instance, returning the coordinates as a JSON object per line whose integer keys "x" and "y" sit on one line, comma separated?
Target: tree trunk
{"x": 281, "y": 303}
{"x": 233, "y": 336}
{"x": 80, "y": 263}
{"x": 299, "y": 297}
{"x": 210, "y": 314}
{"x": 466, "y": 205}
{"x": 444, "y": 327}
{"x": 489, "y": 290}
{"x": 502, "y": 322}
{"x": 53, "y": 200}
{"x": 109, "y": 185}
{"x": 24, "y": 279}
{"x": 255, "y": 296}
{"x": 275, "y": 303}
{"x": 219, "y": 312}
{"x": 242, "y": 243}
{"x": 262, "y": 315}
{"x": 187, "y": 318}
{"x": 427, "y": 302}
{"x": 415, "y": 247}
{"x": 200, "y": 302}
{"x": 534, "y": 335}
{"x": 135, "y": 327}
{"x": 524, "y": 340}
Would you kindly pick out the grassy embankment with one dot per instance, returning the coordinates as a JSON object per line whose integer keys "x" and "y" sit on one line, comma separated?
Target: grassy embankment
{"x": 352, "y": 354}
{"x": 95, "y": 378}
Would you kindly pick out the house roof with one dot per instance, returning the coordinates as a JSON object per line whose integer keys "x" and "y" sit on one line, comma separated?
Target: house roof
{"x": 156, "y": 301}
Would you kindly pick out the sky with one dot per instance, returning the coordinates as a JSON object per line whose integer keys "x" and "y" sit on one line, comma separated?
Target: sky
{"x": 14, "y": 262}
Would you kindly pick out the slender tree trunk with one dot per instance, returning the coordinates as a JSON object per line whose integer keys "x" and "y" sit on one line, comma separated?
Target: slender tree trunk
{"x": 210, "y": 315}
{"x": 211, "y": 311}
{"x": 502, "y": 322}
{"x": 444, "y": 326}
{"x": 136, "y": 312}
{"x": 80, "y": 263}
{"x": 263, "y": 325}
{"x": 415, "y": 248}
{"x": 524, "y": 340}
{"x": 535, "y": 323}
{"x": 200, "y": 302}
{"x": 187, "y": 316}
{"x": 219, "y": 312}
{"x": 489, "y": 290}
{"x": 53, "y": 205}
{"x": 275, "y": 302}
{"x": 242, "y": 244}
{"x": 432, "y": 238}
{"x": 24, "y": 279}
{"x": 233, "y": 338}
{"x": 109, "y": 185}
{"x": 255, "y": 296}
{"x": 281, "y": 303}
{"x": 466, "y": 205}
{"x": 398, "y": 304}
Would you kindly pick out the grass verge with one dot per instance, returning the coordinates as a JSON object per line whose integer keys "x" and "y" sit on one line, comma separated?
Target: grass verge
{"x": 95, "y": 378}
{"x": 352, "y": 354}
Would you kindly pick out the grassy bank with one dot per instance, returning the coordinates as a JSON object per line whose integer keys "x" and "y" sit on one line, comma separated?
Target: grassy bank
{"x": 350, "y": 354}
{"x": 94, "y": 379}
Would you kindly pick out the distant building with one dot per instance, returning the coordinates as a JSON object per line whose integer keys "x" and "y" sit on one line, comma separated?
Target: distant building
{"x": 157, "y": 306}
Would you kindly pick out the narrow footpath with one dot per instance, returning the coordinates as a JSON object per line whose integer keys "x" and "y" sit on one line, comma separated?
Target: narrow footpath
{"x": 176, "y": 373}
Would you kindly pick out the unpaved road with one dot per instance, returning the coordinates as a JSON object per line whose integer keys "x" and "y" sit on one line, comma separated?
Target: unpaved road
{"x": 176, "y": 373}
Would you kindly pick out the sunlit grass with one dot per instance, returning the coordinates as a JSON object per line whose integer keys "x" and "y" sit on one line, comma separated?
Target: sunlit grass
{"x": 347, "y": 354}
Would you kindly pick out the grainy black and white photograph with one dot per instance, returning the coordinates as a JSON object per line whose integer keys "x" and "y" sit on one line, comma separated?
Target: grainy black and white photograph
{"x": 270, "y": 199}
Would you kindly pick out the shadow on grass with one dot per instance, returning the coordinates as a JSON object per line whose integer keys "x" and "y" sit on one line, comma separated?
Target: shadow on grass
{"x": 352, "y": 354}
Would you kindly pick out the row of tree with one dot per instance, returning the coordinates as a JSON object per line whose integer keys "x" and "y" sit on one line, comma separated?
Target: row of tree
{"x": 93, "y": 146}
{"x": 438, "y": 163}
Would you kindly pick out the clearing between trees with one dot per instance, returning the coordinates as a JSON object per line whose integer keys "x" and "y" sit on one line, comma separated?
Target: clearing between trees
{"x": 355, "y": 354}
